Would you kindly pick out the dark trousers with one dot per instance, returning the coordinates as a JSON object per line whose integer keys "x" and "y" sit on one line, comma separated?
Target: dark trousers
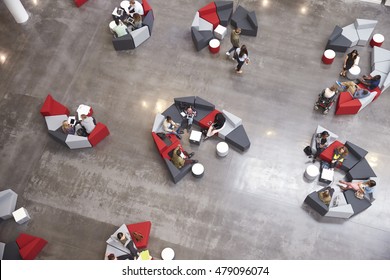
{"x": 239, "y": 65}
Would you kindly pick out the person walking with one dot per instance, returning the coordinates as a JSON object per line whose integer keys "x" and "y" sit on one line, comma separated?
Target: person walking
{"x": 241, "y": 55}
{"x": 235, "y": 40}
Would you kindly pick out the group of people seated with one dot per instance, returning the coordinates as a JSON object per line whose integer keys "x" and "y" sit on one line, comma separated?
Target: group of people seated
{"x": 81, "y": 127}
{"x": 354, "y": 88}
{"x": 361, "y": 188}
{"x": 179, "y": 156}
{"x": 128, "y": 18}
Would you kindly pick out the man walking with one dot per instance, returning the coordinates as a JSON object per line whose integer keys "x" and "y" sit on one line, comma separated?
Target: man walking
{"x": 235, "y": 40}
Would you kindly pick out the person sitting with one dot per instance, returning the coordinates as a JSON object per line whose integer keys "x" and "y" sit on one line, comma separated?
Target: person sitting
{"x": 370, "y": 82}
{"x": 216, "y": 126}
{"x": 181, "y": 157}
{"x": 135, "y": 7}
{"x": 190, "y": 114}
{"x": 137, "y": 23}
{"x": 354, "y": 89}
{"x": 120, "y": 29}
{"x": 322, "y": 142}
{"x": 339, "y": 155}
{"x": 126, "y": 241}
{"x": 170, "y": 127}
{"x": 362, "y": 188}
{"x": 88, "y": 123}
{"x": 360, "y": 93}
{"x": 325, "y": 196}
{"x": 67, "y": 128}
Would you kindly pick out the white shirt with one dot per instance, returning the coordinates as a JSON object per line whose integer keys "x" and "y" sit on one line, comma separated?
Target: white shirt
{"x": 88, "y": 124}
{"x": 120, "y": 30}
{"x": 137, "y": 8}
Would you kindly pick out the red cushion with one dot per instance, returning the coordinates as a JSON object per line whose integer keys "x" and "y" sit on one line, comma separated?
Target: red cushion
{"x": 23, "y": 239}
{"x": 79, "y": 2}
{"x": 51, "y": 107}
{"x": 142, "y": 228}
{"x": 207, "y": 120}
{"x": 32, "y": 249}
{"x": 146, "y": 7}
{"x": 209, "y": 8}
{"x": 212, "y": 18}
{"x": 161, "y": 146}
{"x": 327, "y": 154}
{"x": 346, "y": 105}
{"x": 98, "y": 134}
{"x": 377, "y": 89}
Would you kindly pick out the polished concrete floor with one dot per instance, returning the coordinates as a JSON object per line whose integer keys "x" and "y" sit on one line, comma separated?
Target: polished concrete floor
{"x": 248, "y": 205}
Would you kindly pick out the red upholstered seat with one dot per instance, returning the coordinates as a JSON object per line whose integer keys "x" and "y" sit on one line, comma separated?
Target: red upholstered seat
{"x": 32, "y": 249}
{"x": 30, "y": 246}
{"x": 161, "y": 146}
{"x": 79, "y": 2}
{"x": 143, "y": 229}
{"x": 346, "y": 105}
{"x": 51, "y": 107}
{"x": 23, "y": 239}
{"x": 146, "y": 7}
{"x": 208, "y": 9}
{"x": 206, "y": 121}
{"x": 327, "y": 154}
{"x": 98, "y": 134}
{"x": 377, "y": 89}
{"x": 209, "y": 13}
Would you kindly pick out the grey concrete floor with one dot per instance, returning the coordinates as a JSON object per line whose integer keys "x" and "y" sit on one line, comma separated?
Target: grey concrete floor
{"x": 248, "y": 205}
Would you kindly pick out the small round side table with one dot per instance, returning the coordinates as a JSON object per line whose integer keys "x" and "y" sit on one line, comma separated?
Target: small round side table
{"x": 377, "y": 40}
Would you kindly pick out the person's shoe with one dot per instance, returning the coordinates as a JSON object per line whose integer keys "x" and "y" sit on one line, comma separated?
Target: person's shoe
{"x": 195, "y": 161}
{"x": 228, "y": 53}
{"x": 233, "y": 58}
{"x": 239, "y": 72}
{"x": 204, "y": 139}
{"x": 314, "y": 160}
{"x": 181, "y": 132}
{"x": 191, "y": 155}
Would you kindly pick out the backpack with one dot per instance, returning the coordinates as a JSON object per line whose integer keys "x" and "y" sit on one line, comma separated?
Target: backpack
{"x": 308, "y": 151}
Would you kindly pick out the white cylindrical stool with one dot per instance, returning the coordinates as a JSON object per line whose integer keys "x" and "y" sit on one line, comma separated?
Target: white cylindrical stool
{"x": 168, "y": 254}
{"x": 198, "y": 170}
{"x": 328, "y": 56}
{"x": 377, "y": 40}
{"x": 312, "y": 172}
{"x": 17, "y": 10}
{"x": 353, "y": 73}
{"x": 222, "y": 149}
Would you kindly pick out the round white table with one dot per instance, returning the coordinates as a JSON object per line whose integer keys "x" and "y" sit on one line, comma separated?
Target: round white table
{"x": 168, "y": 254}
{"x": 312, "y": 172}
{"x": 222, "y": 149}
{"x": 198, "y": 170}
{"x": 353, "y": 73}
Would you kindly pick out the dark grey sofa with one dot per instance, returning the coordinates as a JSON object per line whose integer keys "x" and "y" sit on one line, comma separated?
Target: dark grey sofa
{"x": 245, "y": 20}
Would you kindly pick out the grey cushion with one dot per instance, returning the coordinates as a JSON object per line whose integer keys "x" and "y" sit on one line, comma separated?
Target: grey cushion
{"x": 354, "y": 156}
{"x": 341, "y": 44}
{"x": 201, "y": 39}
{"x": 2, "y": 247}
{"x": 200, "y": 103}
{"x": 176, "y": 173}
{"x": 55, "y": 122}
{"x": 200, "y": 114}
{"x": 77, "y": 142}
{"x": 245, "y": 20}
{"x": 123, "y": 43}
{"x": 148, "y": 20}
{"x": 238, "y": 138}
{"x": 224, "y": 11}
{"x": 336, "y": 33}
{"x": 59, "y": 136}
{"x": 174, "y": 113}
{"x": 358, "y": 205}
{"x": 361, "y": 171}
{"x": 8, "y": 200}
{"x": 316, "y": 203}
{"x": 185, "y": 101}
{"x": 11, "y": 251}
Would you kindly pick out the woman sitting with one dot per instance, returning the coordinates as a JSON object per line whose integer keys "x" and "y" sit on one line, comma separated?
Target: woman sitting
{"x": 371, "y": 82}
{"x": 361, "y": 188}
{"x": 67, "y": 128}
{"x": 216, "y": 126}
{"x": 339, "y": 155}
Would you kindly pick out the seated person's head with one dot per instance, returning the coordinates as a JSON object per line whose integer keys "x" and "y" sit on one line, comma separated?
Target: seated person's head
{"x": 137, "y": 17}
{"x": 178, "y": 152}
{"x": 65, "y": 124}
{"x": 120, "y": 235}
{"x": 376, "y": 77}
{"x": 169, "y": 118}
{"x": 132, "y": 2}
{"x": 83, "y": 116}
{"x": 111, "y": 257}
{"x": 371, "y": 183}
{"x": 343, "y": 150}
{"x": 324, "y": 134}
